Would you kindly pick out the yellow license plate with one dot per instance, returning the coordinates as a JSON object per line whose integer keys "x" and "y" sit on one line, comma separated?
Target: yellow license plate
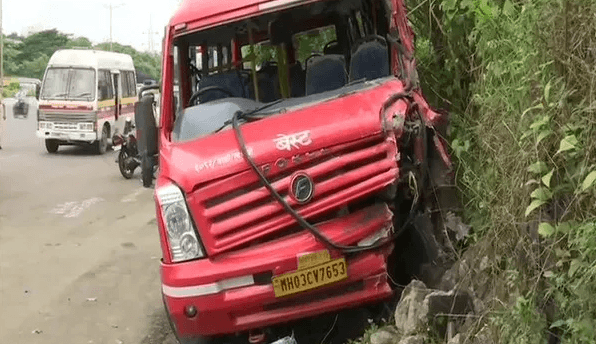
{"x": 310, "y": 278}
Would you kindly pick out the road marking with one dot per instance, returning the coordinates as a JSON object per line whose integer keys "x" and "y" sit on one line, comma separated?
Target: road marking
{"x": 74, "y": 209}
{"x": 133, "y": 197}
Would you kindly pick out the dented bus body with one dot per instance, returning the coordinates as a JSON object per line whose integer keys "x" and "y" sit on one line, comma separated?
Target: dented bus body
{"x": 293, "y": 185}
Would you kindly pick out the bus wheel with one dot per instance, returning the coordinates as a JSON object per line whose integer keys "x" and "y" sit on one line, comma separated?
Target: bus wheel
{"x": 52, "y": 145}
{"x": 101, "y": 145}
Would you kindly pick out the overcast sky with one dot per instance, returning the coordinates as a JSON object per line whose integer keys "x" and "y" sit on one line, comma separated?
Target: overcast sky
{"x": 91, "y": 19}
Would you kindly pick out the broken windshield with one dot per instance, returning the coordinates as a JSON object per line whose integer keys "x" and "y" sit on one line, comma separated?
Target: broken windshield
{"x": 69, "y": 83}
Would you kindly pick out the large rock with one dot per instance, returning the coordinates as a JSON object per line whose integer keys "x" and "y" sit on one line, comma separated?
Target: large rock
{"x": 413, "y": 340}
{"x": 455, "y": 340}
{"x": 420, "y": 308}
{"x": 411, "y": 313}
{"x": 384, "y": 336}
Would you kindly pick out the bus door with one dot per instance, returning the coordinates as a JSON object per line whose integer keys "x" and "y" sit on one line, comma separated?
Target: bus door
{"x": 118, "y": 118}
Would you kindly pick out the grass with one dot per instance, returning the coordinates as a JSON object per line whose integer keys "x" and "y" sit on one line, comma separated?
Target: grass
{"x": 523, "y": 139}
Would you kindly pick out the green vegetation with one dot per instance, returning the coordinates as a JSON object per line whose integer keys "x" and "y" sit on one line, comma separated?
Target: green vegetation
{"x": 30, "y": 57}
{"x": 8, "y": 91}
{"x": 519, "y": 78}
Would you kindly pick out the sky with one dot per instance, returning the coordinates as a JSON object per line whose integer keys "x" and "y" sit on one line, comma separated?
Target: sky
{"x": 131, "y": 19}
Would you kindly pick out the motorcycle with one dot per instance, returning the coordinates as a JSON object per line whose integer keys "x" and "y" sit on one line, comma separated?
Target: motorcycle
{"x": 21, "y": 107}
{"x": 126, "y": 143}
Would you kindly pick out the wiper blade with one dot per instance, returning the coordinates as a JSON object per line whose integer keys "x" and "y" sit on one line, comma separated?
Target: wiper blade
{"x": 247, "y": 114}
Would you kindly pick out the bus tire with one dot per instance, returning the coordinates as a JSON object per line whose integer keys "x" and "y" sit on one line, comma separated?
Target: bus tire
{"x": 101, "y": 145}
{"x": 52, "y": 146}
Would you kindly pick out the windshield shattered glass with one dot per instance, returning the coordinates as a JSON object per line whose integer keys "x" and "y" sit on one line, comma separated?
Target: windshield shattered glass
{"x": 69, "y": 83}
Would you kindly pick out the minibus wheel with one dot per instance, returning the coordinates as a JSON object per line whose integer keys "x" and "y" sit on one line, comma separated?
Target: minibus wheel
{"x": 52, "y": 145}
{"x": 101, "y": 145}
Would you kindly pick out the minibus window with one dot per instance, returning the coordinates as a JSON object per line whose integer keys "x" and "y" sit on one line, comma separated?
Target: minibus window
{"x": 104, "y": 85}
{"x": 82, "y": 84}
{"x": 55, "y": 83}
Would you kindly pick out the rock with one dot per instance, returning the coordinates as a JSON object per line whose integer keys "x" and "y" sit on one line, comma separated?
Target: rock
{"x": 457, "y": 226}
{"x": 455, "y": 340}
{"x": 484, "y": 336}
{"x": 450, "y": 305}
{"x": 383, "y": 337}
{"x": 412, "y": 340}
{"x": 420, "y": 308}
{"x": 451, "y": 302}
{"x": 484, "y": 263}
{"x": 411, "y": 314}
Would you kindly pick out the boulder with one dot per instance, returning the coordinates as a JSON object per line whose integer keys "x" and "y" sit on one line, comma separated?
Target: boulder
{"x": 421, "y": 309}
{"x": 384, "y": 336}
{"x": 455, "y": 340}
{"x": 413, "y": 340}
{"x": 411, "y": 313}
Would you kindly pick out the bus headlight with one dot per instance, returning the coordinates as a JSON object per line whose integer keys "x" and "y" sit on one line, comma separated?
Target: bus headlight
{"x": 46, "y": 125}
{"x": 182, "y": 237}
{"x": 86, "y": 126}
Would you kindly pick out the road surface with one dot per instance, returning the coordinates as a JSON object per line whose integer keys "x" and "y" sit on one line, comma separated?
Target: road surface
{"x": 79, "y": 249}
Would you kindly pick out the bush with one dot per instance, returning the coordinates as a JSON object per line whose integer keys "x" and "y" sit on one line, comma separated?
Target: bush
{"x": 520, "y": 78}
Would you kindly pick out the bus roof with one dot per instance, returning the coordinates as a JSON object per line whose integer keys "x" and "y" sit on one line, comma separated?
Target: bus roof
{"x": 91, "y": 58}
{"x": 202, "y": 14}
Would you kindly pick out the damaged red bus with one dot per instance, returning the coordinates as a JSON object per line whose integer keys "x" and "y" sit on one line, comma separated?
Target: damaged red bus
{"x": 299, "y": 163}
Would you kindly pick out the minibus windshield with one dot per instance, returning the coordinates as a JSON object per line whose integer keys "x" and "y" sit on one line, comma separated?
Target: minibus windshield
{"x": 69, "y": 83}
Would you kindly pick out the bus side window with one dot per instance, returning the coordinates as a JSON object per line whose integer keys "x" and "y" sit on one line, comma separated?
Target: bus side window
{"x": 104, "y": 85}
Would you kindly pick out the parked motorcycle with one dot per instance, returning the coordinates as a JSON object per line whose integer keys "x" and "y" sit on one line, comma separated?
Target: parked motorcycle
{"x": 128, "y": 157}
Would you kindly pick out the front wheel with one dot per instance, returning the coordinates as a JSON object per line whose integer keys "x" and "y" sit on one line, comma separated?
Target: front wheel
{"x": 125, "y": 168}
{"x": 101, "y": 145}
{"x": 52, "y": 145}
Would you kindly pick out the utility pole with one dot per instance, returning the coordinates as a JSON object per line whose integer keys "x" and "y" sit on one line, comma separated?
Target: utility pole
{"x": 150, "y": 34}
{"x": 1, "y": 60}
{"x": 111, "y": 7}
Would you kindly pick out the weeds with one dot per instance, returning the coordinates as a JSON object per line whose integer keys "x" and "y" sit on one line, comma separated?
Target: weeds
{"x": 520, "y": 77}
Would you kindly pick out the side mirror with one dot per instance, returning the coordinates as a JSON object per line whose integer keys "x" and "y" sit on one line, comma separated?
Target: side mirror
{"x": 37, "y": 89}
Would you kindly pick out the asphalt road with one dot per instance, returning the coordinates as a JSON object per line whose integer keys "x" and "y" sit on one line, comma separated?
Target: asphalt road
{"x": 79, "y": 249}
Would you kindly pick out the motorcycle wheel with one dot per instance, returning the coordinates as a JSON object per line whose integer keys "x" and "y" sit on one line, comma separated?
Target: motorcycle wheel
{"x": 125, "y": 170}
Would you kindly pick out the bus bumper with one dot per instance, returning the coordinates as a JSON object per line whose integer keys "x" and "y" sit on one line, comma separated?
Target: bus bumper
{"x": 68, "y": 136}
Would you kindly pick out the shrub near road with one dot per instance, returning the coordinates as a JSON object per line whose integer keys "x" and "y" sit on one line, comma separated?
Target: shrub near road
{"x": 524, "y": 75}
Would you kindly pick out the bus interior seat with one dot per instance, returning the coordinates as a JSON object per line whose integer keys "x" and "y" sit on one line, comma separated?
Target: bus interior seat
{"x": 325, "y": 73}
{"x": 370, "y": 59}
{"x": 232, "y": 80}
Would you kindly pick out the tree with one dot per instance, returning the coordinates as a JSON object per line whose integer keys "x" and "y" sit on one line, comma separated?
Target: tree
{"x": 144, "y": 62}
{"x": 42, "y": 43}
{"x": 80, "y": 42}
{"x": 30, "y": 57}
{"x": 11, "y": 52}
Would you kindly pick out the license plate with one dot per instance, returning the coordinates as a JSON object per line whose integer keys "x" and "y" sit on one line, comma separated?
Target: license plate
{"x": 310, "y": 278}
